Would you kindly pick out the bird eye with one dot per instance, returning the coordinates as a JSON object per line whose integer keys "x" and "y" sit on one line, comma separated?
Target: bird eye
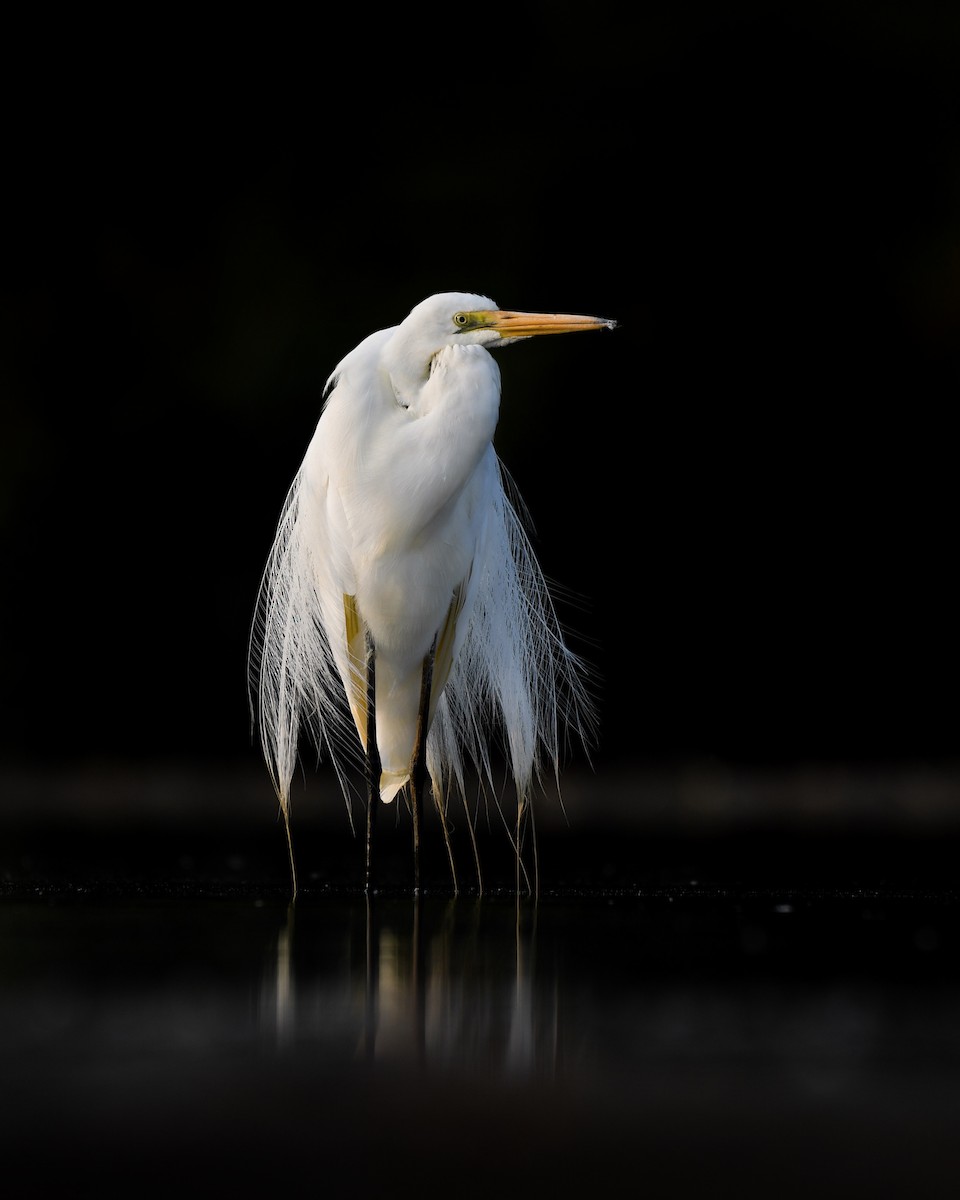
{"x": 460, "y": 319}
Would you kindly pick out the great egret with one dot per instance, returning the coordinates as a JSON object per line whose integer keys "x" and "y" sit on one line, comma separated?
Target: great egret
{"x": 402, "y": 611}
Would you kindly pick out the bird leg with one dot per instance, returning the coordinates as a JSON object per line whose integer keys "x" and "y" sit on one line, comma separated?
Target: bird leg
{"x": 373, "y": 755}
{"x": 418, "y": 763}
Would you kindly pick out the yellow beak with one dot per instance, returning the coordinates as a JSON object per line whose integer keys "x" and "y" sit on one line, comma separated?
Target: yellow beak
{"x": 526, "y": 324}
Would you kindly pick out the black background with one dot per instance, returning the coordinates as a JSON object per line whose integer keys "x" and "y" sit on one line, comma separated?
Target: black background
{"x": 748, "y": 487}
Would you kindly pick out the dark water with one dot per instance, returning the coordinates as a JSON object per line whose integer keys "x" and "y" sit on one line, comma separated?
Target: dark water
{"x": 743, "y": 1016}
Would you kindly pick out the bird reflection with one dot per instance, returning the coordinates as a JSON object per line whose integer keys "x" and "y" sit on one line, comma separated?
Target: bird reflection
{"x": 285, "y": 1007}
{"x": 448, "y": 983}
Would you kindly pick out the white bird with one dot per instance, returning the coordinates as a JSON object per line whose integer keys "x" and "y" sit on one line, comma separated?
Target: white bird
{"x": 402, "y": 614}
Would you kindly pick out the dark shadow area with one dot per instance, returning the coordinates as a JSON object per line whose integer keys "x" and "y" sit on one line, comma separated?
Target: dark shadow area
{"x": 768, "y": 1014}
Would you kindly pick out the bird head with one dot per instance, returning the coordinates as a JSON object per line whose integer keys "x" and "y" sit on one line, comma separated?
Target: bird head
{"x": 452, "y": 318}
